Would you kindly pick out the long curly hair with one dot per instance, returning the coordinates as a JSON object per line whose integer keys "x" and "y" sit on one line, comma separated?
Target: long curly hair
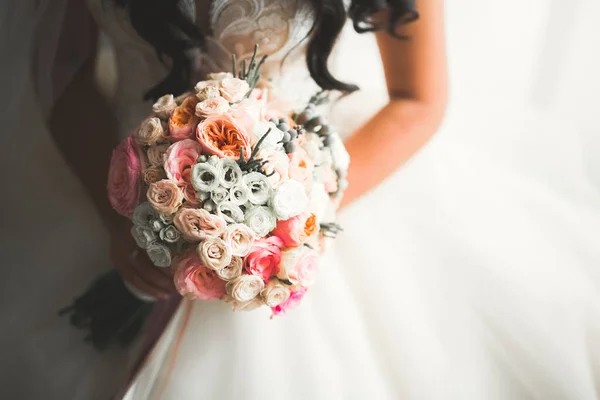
{"x": 164, "y": 25}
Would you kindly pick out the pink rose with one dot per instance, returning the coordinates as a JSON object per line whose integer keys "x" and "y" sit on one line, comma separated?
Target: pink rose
{"x": 124, "y": 178}
{"x": 194, "y": 280}
{"x": 180, "y": 158}
{"x": 198, "y": 224}
{"x": 233, "y": 89}
{"x": 165, "y": 196}
{"x": 297, "y": 230}
{"x": 301, "y": 166}
{"x": 246, "y": 113}
{"x": 220, "y": 135}
{"x": 295, "y": 298}
{"x": 183, "y": 120}
{"x": 264, "y": 258}
{"x": 298, "y": 265}
{"x": 277, "y": 166}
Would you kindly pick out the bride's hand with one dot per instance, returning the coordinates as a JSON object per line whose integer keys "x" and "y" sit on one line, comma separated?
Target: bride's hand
{"x": 136, "y": 268}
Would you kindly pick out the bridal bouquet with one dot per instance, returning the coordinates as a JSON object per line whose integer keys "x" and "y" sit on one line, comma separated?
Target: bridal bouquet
{"x": 235, "y": 197}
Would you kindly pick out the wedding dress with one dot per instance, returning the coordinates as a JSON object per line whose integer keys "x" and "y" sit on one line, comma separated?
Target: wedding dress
{"x": 472, "y": 273}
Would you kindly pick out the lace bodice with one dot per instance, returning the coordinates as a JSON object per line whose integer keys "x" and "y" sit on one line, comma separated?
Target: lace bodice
{"x": 277, "y": 26}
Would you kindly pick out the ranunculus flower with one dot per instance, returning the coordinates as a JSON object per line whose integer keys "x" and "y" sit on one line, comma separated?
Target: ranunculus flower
{"x": 233, "y": 89}
{"x": 180, "y": 158}
{"x": 124, "y": 178}
{"x": 301, "y": 166}
{"x": 297, "y": 230}
{"x": 277, "y": 166}
{"x": 198, "y": 224}
{"x": 156, "y": 155}
{"x": 230, "y": 173}
{"x": 239, "y": 238}
{"x": 183, "y": 120}
{"x": 232, "y": 270}
{"x": 195, "y": 281}
{"x": 298, "y": 265}
{"x": 212, "y": 106}
{"x": 153, "y": 174}
{"x": 245, "y": 287}
{"x": 170, "y": 234}
{"x": 239, "y": 194}
{"x": 295, "y": 298}
{"x": 261, "y": 220}
{"x": 275, "y": 293}
{"x": 165, "y": 196}
{"x": 264, "y": 258}
{"x": 205, "y": 177}
{"x": 289, "y": 200}
{"x": 214, "y": 253}
{"x": 159, "y": 254}
{"x": 259, "y": 186}
{"x": 164, "y": 106}
{"x": 149, "y": 132}
{"x": 221, "y": 136}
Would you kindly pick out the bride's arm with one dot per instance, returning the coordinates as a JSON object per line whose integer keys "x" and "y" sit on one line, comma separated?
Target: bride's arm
{"x": 415, "y": 71}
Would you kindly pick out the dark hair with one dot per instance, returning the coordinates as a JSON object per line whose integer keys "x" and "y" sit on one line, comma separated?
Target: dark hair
{"x": 164, "y": 25}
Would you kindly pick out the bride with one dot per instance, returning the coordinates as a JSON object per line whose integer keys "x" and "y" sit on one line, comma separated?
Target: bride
{"x": 408, "y": 305}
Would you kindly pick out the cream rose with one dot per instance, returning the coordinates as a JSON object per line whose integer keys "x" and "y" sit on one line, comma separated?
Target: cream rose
{"x": 212, "y": 106}
{"x": 239, "y": 238}
{"x": 232, "y": 270}
{"x": 233, "y": 89}
{"x": 251, "y": 305}
{"x": 164, "y": 106}
{"x": 245, "y": 287}
{"x": 214, "y": 253}
{"x": 153, "y": 174}
{"x": 149, "y": 132}
{"x": 275, "y": 293}
{"x": 156, "y": 155}
{"x": 298, "y": 265}
{"x": 165, "y": 196}
{"x": 208, "y": 92}
{"x": 289, "y": 200}
{"x": 198, "y": 224}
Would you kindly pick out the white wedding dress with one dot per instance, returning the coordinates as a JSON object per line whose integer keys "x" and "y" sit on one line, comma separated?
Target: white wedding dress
{"x": 472, "y": 273}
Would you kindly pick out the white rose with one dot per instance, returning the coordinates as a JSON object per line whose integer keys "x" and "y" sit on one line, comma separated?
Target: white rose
{"x": 219, "y": 76}
{"x": 232, "y": 270}
{"x": 275, "y": 293}
{"x": 208, "y": 92}
{"x": 149, "y": 132}
{"x": 312, "y": 145}
{"x": 289, "y": 200}
{"x": 233, "y": 89}
{"x": 214, "y": 253}
{"x": 245, "y": 288}
{"x": 253, "y": 304}
{"x": 230, "y": 212}
{"x": 212, "y": 106}
{"x": 273, "y": 139}
{"x": 259, "y": 186}
{"x": 144, "y": 214}
{"x": 164, "y": 106}
{"x": 261, "y": 220}
{"x": 239, "y": 238}
{"x": 143, "y": 235}
{"x": 341, "y": 158}
{"x": 159, "y": 254}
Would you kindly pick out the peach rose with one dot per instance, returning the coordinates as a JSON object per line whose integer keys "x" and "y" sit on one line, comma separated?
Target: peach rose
{"x": 212, "y": 106}
{"x": 183, "y": 120}
{"x": 297, "y": 230}
{"x": 221, "y": 136}
{"x": 298, "y": 265}
{"x": 233, "y": 89}
{"x": 179, "y": 160}
{"x": 301, "y": 166}
{"x": 195, "y": 281}
{"x": 198, "y": 224}
{"x": 124, "y": 178}
{"x": 165, "y": 196}
{"x": 153, "y": 174}
{"x": 264, "y": 258}
{"x": 295, "y": 298}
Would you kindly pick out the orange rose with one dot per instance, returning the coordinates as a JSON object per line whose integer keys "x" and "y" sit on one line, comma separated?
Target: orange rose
{"x": 183, "y": 120}
{"x": 221, "y": 136}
